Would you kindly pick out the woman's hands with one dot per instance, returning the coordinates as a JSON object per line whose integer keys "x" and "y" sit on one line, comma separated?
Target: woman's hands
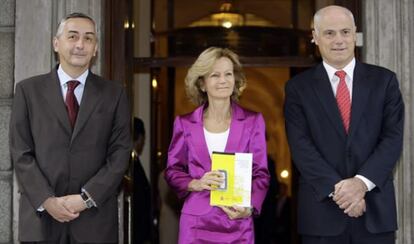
{"x": 237, "y": 212}
{"x": 210, "y": 181}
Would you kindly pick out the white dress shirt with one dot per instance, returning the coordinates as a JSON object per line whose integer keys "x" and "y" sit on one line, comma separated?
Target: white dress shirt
{"x": 64, "y": 78}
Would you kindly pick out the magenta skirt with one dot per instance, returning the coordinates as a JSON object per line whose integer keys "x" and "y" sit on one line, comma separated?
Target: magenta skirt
{"x": 215, "y": 227}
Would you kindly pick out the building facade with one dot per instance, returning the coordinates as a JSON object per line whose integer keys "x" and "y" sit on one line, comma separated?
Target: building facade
{"x": 27, "y": 28}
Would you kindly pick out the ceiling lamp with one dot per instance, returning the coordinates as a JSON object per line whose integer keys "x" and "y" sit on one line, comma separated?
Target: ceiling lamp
{"x": 227, "y": 17}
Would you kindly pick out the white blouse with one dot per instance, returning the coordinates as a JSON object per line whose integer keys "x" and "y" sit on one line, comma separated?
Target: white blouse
{"x": 216, "y": 142}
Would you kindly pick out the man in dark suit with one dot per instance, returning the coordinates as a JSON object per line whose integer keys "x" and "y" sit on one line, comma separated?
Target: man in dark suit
{"x": 141, "y": 196}
{"x": 70, "y": 144}
{"x": 344, "y": 121}
{"x": 266, "y": 223}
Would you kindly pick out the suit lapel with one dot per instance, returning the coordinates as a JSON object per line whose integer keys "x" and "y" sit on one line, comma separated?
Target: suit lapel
{"x": 323, "y": 90}
{"x": 360, "y": 95}
{"x": 236, "y": 129}
{"x": 198, "y": 139}
{"x": 196, "y": 129}
{"x": 53, "y": 95}
{"x": 90, "y": 98}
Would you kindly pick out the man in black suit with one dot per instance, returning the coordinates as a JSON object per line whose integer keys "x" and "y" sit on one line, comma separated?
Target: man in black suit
{"x": 344, "y": 121}
{"x": 70, "y": 144}
{"x": 141, "y": 195}
{"x": 266, "y": 223}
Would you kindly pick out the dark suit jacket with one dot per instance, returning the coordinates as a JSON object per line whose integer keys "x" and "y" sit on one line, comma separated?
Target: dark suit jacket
{"x": 324, "y": 154}
{"x": 50, "y": 160}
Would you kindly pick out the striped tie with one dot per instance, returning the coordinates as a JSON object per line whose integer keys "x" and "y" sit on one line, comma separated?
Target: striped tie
{"x": 343, "y": 99}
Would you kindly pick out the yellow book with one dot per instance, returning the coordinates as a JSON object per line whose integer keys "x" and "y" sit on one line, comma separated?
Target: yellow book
{"x": 236, "y": 169}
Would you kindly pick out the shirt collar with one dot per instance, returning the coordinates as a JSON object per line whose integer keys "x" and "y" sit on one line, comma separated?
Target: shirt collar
{"x": 64, "y": 77}
{"x": 349, "y": 69}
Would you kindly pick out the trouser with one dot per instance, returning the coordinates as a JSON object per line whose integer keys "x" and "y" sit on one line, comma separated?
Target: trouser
{"x": 355, "y": 233}
{"x": 65, "y": 238}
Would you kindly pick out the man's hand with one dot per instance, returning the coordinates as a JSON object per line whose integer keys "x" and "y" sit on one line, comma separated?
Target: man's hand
{"x": 237, "y": 212}
{"x": 56, "y": 208}
{"x": 210, "y": 181}
{"x": 74, "y": 203}
{"x": 358, "y": 210}
{"x": 349, "y": 192}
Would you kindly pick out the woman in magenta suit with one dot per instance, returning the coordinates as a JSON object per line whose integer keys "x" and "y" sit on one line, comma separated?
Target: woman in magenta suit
{"x": 214, "y": 82}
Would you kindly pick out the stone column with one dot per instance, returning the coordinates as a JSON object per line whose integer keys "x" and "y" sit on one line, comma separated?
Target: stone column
{"x": 388, "y": 28}
{"x": 30, "y": 45}
{"x": 7, "y": 29}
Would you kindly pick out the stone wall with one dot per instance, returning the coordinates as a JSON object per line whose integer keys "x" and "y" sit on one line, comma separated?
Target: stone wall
{"x": 7, "y": 30}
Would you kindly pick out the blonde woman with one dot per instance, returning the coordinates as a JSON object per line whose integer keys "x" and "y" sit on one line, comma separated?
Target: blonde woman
{"x": 214, "y": 82}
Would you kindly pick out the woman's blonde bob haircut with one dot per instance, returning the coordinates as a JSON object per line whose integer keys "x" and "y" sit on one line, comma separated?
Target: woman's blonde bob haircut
{"x": 203, "y": 66}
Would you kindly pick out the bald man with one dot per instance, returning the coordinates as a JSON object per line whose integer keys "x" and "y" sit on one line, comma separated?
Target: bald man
{"x": 344, "y": 121}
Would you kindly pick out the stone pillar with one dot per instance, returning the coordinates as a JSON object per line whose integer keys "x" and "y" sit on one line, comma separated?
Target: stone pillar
{"x": 29, "y": 47}
{"x": 142, "y": 81}
{"x": 7, "y": 10}
{"x": 388, "y": 32}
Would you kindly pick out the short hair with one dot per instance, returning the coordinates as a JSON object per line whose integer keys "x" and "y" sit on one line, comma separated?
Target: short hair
{"x": 73, "y": 16}
{"x": 204, "y": 65}
{"x": 139, "y": 129}
{"x": 318, "y": 14}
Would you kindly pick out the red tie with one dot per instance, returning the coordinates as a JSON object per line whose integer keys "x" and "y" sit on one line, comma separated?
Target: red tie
{"x": 343, "y": 99}
{"x": 71, "y": 102}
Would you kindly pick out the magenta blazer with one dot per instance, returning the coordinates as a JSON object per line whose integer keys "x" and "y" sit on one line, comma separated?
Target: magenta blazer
{"x": 188, "y": 156}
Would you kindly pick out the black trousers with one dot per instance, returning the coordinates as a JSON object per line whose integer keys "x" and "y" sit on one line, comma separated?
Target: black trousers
{"x": 65, "y": 238}
{"x": 355, "y": 233}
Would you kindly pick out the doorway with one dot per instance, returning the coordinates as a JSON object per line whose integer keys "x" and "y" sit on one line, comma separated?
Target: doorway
{"x": 161, "y": 38}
